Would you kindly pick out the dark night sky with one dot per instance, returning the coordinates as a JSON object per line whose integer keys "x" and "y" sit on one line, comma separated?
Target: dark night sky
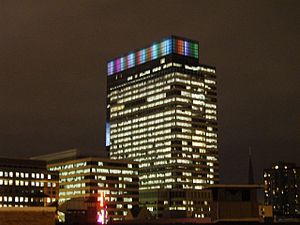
{"x": 53, "y": 72}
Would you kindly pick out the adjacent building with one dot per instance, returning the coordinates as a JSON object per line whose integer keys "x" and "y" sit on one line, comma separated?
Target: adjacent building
{"x": 231, "y": 202}
{"x": 162, "y": 113}
{"x": 25, "y": 183}
{"x": 91, "y": 184}
{"x": 282, "y": 189}
{"x": 185, "y": 203}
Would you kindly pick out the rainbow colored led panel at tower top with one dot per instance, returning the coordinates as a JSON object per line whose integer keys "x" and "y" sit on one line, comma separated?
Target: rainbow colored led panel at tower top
{"x": 156, "y": 50}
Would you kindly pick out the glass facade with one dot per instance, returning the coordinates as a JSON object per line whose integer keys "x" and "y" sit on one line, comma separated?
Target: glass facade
{"x": 163, "y": 114}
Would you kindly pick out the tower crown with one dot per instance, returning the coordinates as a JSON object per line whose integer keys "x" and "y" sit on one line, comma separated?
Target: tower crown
{"x": 167, "y": 46}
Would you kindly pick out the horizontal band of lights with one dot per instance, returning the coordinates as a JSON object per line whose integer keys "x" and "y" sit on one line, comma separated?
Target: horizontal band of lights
{"x": 156, "y": 50}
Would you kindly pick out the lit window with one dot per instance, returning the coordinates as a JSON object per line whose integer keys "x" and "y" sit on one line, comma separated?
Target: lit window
{"x": 127, "y": 199}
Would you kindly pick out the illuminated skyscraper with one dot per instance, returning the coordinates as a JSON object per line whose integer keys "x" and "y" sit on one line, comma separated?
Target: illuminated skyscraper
{"x": 162, "y": 112}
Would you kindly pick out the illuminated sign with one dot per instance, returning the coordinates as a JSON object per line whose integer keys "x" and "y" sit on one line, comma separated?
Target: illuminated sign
{"x": 102, "y": 213}
{"x": 156, "y": 50}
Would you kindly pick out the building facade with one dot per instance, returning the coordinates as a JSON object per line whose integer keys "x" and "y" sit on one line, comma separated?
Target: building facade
{"x": 25, "y": 183}
{"x": 86, "y": 181}
{"x": 162, "y": 113}
{"x": 282, "y": 189}
{"x": 232, "y": 202}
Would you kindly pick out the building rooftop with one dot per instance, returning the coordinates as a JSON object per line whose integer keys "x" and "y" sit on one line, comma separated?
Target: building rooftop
{"x": 170, "y": 45}
{"x": 77, "y": 155}
{"x": 234, "y": 186}
{"x": 69, "y": 154}
{"x": 281, "y": 164}
{"x": 22, "y": 163}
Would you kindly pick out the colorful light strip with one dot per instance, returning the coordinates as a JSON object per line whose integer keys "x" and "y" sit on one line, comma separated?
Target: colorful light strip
{"x": 156, "y": 50}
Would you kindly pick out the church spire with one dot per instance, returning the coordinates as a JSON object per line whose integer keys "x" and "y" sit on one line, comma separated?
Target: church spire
{"x": 250, "y": 171}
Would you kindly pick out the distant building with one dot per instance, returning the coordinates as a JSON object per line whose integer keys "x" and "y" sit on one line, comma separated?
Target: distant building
{"x": 95, "y": 182}
{"x": 162, "y": 113}
{"x": 282, "y": 189}
{"x": 26, "y": 183}
{"x": 234, "y": 202}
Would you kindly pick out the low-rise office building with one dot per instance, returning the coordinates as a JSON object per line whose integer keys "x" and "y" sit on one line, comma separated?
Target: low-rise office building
{"x": 195, "y": 203}
{"x": 26, "y": 183}
{"x": 109, "y": 185}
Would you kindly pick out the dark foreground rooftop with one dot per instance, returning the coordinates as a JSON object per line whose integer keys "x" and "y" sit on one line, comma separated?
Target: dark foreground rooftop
{"x": 175, "y": 223}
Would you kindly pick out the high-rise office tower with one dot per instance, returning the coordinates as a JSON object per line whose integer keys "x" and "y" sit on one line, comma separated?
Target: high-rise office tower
{"x": 282, "y": 189}
{"x": 162, "y": 112}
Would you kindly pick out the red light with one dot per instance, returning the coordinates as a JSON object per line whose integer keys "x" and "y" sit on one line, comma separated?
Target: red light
{"x": 101, "y": 214}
